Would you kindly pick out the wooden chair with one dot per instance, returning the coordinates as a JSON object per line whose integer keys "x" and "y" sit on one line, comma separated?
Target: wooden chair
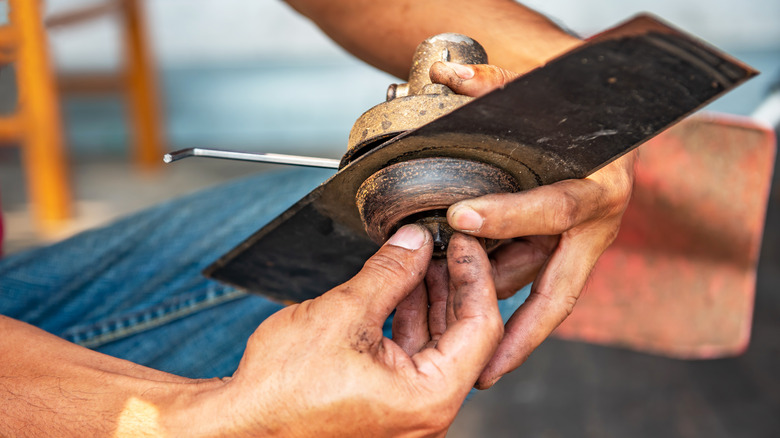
{"x": 36, "y": 126}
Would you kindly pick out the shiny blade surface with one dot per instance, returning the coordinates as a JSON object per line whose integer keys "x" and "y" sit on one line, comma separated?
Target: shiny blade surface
{"x": 564, "y": 120}
{"x": 258, "y": 157}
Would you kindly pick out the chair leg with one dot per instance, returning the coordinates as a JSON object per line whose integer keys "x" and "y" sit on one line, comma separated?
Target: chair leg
{"x": 43, "y": 150}
{"x": 142, "y": 91}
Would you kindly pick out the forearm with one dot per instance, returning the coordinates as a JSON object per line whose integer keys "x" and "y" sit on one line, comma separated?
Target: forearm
{"x": 49, "y": 387}
{"x": 385, "y": 33}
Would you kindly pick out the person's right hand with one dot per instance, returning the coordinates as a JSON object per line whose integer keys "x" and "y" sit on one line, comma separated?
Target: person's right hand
{"x": 558, "y": 232}
{"x": 323, "y": 368}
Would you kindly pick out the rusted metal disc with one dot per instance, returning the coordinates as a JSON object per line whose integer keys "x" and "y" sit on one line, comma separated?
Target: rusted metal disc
{"x": 395, "y": 193}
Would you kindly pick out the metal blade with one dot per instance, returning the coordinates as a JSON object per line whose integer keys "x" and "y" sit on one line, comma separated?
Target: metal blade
{"x": 564, "y": 120}
{"x": 262, "y": 157}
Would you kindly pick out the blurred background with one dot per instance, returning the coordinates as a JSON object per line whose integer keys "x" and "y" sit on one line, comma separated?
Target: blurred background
{"x": 254, "y": 76}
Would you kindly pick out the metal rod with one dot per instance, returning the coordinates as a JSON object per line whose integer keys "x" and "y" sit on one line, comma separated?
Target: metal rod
{"x": 294, "y": 160}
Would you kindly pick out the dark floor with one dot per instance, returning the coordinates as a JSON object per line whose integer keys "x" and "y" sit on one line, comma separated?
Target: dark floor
{"x": 569, "y": 389}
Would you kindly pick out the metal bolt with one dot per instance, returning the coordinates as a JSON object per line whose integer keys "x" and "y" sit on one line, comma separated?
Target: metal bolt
{"x": 397, "y": 90}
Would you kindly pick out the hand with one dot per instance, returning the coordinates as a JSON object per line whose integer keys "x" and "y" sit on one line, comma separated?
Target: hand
{"x": 323, "y": 368}
{"x": 559, "y": 232}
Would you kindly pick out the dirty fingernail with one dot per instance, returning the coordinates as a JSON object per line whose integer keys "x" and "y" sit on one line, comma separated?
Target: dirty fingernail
{"x": 465, "y": 219}
{"x": 409, "y": 236}
{"x": 463, "y": 71}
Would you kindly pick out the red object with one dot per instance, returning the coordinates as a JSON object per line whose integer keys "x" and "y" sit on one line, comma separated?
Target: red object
{"x": 680, "y": 278}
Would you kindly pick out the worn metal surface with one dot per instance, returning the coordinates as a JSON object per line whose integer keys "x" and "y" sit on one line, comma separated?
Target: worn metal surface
{"x": 564, "y": 120}
{"x": 422, "y": 190}
{"x": 418, "y": 102}
{"x": 680, "y": 278}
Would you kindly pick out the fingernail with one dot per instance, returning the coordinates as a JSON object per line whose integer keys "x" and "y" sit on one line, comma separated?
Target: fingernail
{"x": 465, "y": 219}
{"x": 463, "y": 71}
{"x": 409, "y": 236}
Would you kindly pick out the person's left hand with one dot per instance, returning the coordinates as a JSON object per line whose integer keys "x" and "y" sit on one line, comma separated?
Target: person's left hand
{"x": 559, "y": 232}
{"x": 323, "y": 368}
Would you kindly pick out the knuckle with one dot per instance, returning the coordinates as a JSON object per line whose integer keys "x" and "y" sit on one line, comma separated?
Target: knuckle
{"x": 385, "y": 269}
{"x": 565, "y": 211}
{"x": 566, "y": 305}
{"x": 491, "y": 324}
{"x": 559, "y": 307}
{"x": 618, "y": 190}
{"x": 496, "y": 328}
{"x": 507, "y": 76}
{"x": 621, "y": 192}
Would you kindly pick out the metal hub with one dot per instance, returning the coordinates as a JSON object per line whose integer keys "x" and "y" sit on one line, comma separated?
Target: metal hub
{"x": 417, "y": 102}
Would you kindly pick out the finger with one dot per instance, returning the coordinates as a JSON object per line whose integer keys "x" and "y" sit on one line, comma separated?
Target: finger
{"x": 390, "y": 274}
{"x": 410, "y": 323}
{"x": 516, "y": 264}
{"x": 437, "y": 282}
{"x": 449, "y": 314}
{"x": 470, "y": 80}
{"x": 552, "y": 299}
{"x": 547, "y": 210}
{"x": 468, "y": 343}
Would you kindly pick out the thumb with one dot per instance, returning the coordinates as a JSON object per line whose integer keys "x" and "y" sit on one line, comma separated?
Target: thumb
{"x": 392, "y": 273}
{"x": 471, "y": 80}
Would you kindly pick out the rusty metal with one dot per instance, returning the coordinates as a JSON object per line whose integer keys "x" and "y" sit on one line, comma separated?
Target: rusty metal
{"x": 412, "y": 105}
{"x": 421, "y": 191}
{"x": 419, "y": 188}
{"x": 564, "y": 120}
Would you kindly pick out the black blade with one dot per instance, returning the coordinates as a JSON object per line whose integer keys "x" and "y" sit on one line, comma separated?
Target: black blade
{"x": 564, "y": 120}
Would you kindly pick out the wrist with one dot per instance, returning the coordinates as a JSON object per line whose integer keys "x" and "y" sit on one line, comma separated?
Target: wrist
{"x": 196, "y": 409}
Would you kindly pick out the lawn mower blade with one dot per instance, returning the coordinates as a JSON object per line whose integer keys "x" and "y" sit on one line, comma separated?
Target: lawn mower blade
{"x": 564, "y": 120}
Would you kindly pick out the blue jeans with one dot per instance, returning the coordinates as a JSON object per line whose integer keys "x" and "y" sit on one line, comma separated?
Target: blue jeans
{"x": 134, "y": 290}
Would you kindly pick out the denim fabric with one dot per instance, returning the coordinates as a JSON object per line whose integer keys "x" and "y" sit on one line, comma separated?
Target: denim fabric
{"x": 134, "y": 290}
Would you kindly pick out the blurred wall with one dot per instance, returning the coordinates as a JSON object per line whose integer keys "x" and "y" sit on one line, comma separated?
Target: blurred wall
{"x": 252, "y": 74}
{"x": 211, "y": 31}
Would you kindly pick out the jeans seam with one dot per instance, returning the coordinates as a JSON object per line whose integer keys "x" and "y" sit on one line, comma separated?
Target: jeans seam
{"x": 123, "y": 326}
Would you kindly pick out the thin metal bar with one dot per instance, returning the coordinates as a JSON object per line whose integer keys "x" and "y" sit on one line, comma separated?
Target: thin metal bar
{"x": 293, "y": 160}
